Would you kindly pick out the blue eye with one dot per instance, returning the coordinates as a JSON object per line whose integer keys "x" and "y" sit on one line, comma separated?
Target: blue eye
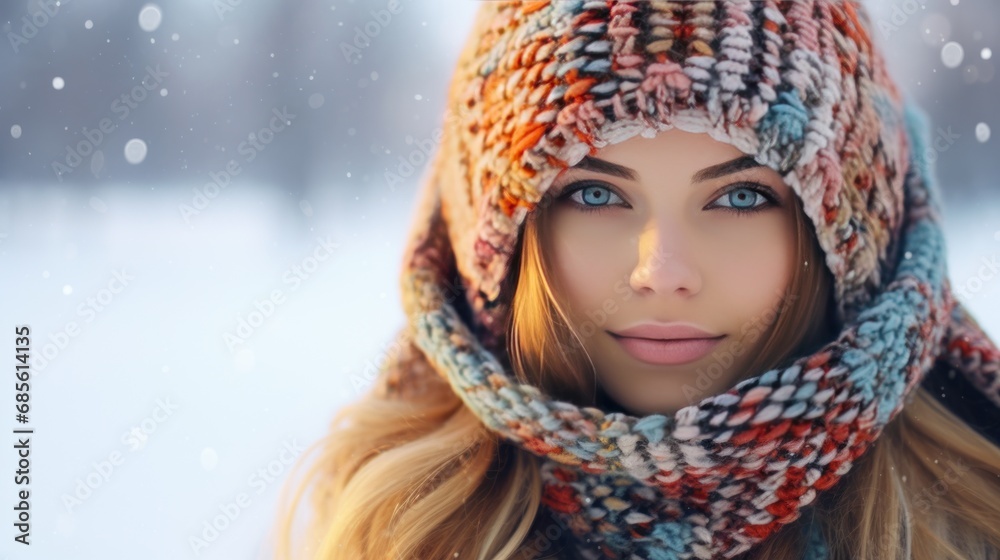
{"x": 593, "y": 198}
{"x": 744, "y": 199}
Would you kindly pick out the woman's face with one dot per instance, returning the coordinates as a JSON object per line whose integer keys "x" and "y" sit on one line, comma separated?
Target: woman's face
{"x": 648, "y": 232}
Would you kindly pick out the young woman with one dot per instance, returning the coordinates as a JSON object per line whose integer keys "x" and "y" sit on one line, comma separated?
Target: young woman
{"x": 676, "y": 288}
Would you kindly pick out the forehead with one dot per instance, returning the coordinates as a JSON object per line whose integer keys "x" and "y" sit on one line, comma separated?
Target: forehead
{"x": 675, "y": 147}
{"x": 679, "y": 155}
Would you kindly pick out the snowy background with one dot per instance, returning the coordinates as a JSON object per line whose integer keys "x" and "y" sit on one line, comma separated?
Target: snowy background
{"x": 192, "y": 340}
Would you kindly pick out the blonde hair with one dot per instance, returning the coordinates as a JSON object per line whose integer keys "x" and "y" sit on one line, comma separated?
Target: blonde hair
{"x": 413, "y": 473}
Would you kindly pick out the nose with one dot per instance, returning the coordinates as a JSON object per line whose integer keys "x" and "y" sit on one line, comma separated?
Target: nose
{"x": 665, "y": 264}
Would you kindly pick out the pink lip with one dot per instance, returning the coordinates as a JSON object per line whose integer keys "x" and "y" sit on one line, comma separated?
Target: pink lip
{"x": 666, "y": 344}
{"x": 665, "y": 331}
{"x": 665, "y": 352}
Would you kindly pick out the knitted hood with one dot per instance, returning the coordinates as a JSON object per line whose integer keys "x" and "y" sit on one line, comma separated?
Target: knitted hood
{"x": 800, "y": 86}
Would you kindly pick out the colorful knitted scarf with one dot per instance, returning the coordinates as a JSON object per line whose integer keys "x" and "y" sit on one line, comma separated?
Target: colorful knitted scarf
{"x": 800, "y": 86}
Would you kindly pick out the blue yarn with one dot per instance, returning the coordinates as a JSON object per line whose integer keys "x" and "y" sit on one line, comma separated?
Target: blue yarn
{"x": 918, "y": 132}
{"x": 652, "y": 427}
{"x": 787, "y": 119}
{"x": 862, "y": 374}
{"x": 674, "y": 537}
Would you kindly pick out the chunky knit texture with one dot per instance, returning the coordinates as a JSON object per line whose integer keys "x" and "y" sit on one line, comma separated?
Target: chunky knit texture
{"x": 800, "y": 86}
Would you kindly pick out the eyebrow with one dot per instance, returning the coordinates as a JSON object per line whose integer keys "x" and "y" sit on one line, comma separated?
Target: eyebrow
{"x": 590, "y": 163}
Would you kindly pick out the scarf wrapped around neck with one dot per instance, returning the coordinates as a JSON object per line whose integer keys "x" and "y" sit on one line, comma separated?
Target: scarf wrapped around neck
{"x": 800, "y": 86}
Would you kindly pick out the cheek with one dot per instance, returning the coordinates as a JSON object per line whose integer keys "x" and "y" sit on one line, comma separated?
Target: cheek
{"x": 756, "y": 263}
{"x": 590, "y": 257}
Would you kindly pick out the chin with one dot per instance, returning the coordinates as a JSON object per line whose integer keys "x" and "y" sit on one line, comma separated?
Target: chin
{"x": 665, "y": 409}
{"x": 635, "y": 407}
